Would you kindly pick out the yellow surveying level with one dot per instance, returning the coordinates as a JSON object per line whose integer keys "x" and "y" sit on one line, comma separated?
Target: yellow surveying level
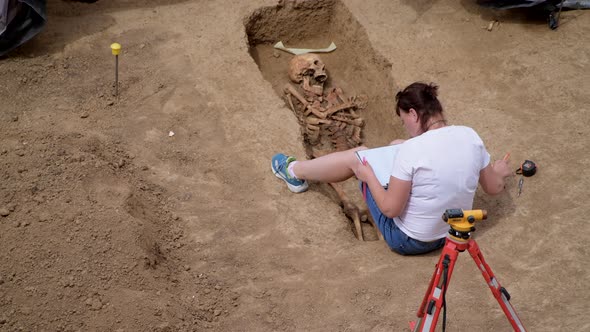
{"x": 462, "y": 221}
{"x": 458, "y": 240}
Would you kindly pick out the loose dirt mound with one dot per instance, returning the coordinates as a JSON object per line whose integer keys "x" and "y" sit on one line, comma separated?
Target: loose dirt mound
{"x": 84, "y": 235}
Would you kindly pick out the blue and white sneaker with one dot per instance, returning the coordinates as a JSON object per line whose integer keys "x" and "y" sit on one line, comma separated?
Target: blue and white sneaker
{"x": 279, "y": 165}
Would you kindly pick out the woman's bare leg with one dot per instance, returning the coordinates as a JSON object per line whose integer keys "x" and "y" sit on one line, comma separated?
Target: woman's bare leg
{"x": 333, "y": 167}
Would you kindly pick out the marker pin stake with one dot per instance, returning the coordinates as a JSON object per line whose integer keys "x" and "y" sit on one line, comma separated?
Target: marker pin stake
{"x": 116, "y": 49}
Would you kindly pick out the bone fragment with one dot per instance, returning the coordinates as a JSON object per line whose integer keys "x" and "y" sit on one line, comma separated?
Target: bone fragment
{"x": 290, "y": 101}
{"x": 314, "y": 90}
{"x": 356, "y": 135}
{"x": 341, "y": 95}
{"x": 355, "y": 122}
{"x": 312, "y": 127}
{"x": 315, "y": 121}
{"x": 317, "y": 111}
{"x": 280, "y": 46}
{"x": 337, "y": 108}
{"x": 349, "y": 130}
{"x": 353, "y": 113}
{"x": 491, "y": 25}
{"x": 332, "y": 98}
{"x": 291, "y": 90}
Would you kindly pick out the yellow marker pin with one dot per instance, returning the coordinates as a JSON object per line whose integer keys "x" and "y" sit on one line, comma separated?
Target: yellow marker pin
{"x": 116, "y": 49}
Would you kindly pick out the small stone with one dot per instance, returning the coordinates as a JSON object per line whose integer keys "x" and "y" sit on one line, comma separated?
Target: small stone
{"x": 186, "y": 267}
{"x": 163, "y": 327}
{"x": 39, "y": 199}
{"x": 15, "y": 118}
{"x": 4, "y": 212}
{"x": 26, "y": 223}
{"x": 84, "y": 115}
{"x": 276, "y": 54}
{"x": 20, "y": 153}
{"x": 43, "y": 217}
{"x": 217, "y": 312}
{"x": 141, "y": 46}
{"x": 144, "y": 168}
{"x": 94, "y": 304}
{"x": 66, "y": 66}
{"x": 110, "y": 103}
{"x": 217, "y": 287}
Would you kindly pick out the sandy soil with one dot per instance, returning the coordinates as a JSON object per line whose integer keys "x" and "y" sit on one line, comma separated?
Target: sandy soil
{"x": 109, "y": 223}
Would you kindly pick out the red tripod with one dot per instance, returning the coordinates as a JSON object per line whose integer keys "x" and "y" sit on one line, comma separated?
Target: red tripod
{"x": 458, "y": 241}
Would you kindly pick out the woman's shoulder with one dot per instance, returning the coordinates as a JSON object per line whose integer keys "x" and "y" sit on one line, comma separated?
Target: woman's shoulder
{"x": 444, "y": 135}
{"x": 463, "y": 130}
{"x": 467, "y": 134}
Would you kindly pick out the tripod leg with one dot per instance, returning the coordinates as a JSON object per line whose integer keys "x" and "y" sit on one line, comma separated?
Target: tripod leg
{"x": 434, "y": 297}
{"x": 500, "y": 293}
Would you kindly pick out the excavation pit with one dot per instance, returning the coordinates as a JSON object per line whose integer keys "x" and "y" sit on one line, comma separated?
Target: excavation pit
{"x": 354, "y": 67}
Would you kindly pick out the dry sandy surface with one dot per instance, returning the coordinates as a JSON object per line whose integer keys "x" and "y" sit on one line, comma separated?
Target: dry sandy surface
{"x": 110, "y": 224}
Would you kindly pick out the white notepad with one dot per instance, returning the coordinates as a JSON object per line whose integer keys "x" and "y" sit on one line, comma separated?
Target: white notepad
{"x": 381, "y": 160}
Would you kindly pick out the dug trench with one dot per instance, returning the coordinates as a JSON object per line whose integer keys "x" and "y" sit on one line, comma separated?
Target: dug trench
{"x": 354, "y": 67}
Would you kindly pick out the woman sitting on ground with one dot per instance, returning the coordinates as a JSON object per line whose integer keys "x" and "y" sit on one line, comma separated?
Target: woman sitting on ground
{"x": 438, "y": 168}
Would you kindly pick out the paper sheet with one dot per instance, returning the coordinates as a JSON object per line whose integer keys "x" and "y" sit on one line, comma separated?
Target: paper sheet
{"x": 381, "y": 160}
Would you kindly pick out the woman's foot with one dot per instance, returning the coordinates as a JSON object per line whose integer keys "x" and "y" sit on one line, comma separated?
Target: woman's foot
{"x": 280, "y": 163}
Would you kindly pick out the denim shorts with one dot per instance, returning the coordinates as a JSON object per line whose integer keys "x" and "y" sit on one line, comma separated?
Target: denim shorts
{"x": 396, "y": 239}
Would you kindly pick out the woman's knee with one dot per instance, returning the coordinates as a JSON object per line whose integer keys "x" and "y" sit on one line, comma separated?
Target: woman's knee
{"x": 359, "y": 148}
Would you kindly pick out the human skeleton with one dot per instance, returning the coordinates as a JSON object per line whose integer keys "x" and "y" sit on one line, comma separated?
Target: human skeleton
{"x": 329, "y": 120}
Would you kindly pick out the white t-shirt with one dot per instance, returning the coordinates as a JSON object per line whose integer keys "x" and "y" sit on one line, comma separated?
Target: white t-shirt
{"x": 443, "y": 165}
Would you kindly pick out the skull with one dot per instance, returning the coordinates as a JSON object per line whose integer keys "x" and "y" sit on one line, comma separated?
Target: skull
{"x": 307, "y": 65}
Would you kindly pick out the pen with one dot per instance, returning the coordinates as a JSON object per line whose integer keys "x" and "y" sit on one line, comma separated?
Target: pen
{"x": 507, "y": 156}
{"x": 364, "y": 183}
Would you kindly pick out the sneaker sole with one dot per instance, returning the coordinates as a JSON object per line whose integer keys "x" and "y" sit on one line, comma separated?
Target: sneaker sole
{"x": 295, "y": 189}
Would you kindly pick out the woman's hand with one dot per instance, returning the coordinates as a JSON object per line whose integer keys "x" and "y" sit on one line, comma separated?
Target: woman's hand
{"x": 397, "y": 141}
{"x": 502, "y": 168}
{"x": 363, "y": 171}
{"x": 493, "y": 177}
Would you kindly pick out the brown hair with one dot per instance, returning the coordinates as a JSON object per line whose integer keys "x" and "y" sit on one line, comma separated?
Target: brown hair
{"x": 422, "y": 98}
